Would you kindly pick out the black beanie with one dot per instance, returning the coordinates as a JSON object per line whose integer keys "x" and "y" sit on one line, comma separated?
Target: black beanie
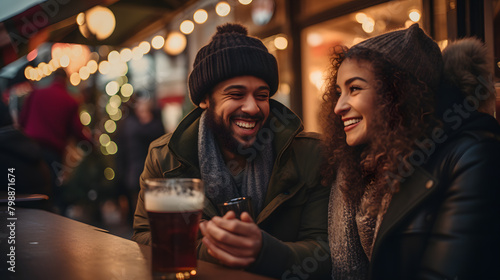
{"x": 410, "y": 50}
{"x": 231, "y": 53}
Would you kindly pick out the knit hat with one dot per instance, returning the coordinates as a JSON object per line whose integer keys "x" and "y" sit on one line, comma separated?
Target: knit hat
{"x": 231, "y": 53}
{"x": 412, "y": 51}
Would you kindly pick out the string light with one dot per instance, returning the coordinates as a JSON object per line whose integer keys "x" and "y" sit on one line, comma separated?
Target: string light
{"x": 85, "y": 118}
{"x": 64, "y": 61}
{"x": 109, "y": 173}
{"x": 145, "y": 47}
{"x": 112, "y": 88}
{"x": 368, "y": 25}
{"x": 27, "y": 72}
{"x": 414, "y": 15}
{"x": 114, "y": 57}
{"x": 116, "y": 117}
{"x": 111, "y": 110}
{"x": 127, "y": 90}
{"x": 187, "y": 27}
{"x": 280, "y": 43}
{"x": 75, "y": 79}
{"x": 115, "y": 101}
{"x": 92, "y": 65}
{"x": 84, "y": 73}
{"x": 200, "y": 16}
{"x": 361, "y": 17}
{"x": 110, "y": 127}
{"x": 137, "y": 53}
{"x": 104, "y": 139}
{"x": 126, "y": 55}
{"x": 157, "y": 42}
{"x": 222, "y": 9}
{"x": 112, "y": 148}
{"x": 175, "y": 44}
{"x": 104, "y": 67}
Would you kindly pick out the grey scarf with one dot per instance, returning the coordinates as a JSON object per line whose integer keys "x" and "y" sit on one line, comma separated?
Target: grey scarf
{"x": 220, "y": 185}
{"x": 353, "y": 230}
{"x": 349, "y": 260}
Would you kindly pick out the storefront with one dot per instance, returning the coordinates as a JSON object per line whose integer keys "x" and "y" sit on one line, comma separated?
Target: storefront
{"x": 313, "y": 27}
{"x": 300, "y": 33}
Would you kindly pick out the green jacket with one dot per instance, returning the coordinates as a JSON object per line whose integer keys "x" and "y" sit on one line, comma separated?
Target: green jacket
{"x": 294, "y": 218}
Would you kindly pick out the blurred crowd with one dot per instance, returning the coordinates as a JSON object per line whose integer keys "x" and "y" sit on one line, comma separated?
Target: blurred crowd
{"x": 55, "y": 155}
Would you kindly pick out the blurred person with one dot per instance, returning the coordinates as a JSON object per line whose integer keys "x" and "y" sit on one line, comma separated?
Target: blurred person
{"x": 51, "y": 117}
{"x": 413, "y": 165}
{"x": 467, "y": 66}
{"x": 242, "y": 143}
{"x": 134, "y": 135}
{"x": 22, "y": 157}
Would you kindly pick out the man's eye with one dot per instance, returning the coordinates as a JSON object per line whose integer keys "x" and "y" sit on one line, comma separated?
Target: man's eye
{"x": 263, "y": 96}
{"x": 236, "y": 94}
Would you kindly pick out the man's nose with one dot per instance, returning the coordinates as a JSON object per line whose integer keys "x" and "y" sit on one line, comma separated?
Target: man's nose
{"x": 250, "y": 106}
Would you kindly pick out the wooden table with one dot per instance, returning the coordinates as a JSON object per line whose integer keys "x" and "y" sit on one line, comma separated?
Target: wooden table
{"x": 49, "y": 246}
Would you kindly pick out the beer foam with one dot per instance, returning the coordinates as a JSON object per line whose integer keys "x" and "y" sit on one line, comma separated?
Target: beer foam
{"x": 164, "y": 202}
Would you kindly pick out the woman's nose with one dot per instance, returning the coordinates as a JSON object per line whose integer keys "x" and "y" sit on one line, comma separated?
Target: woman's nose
{"x": 342, "y": 107}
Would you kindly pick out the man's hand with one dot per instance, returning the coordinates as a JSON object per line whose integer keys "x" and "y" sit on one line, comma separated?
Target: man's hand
{"x": 235, "y": 243}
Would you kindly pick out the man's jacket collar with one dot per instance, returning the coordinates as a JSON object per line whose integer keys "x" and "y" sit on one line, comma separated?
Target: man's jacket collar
{"x": 283, "y": 126}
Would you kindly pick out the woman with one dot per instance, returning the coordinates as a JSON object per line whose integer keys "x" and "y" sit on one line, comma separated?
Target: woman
{"x": 414, "y": 167}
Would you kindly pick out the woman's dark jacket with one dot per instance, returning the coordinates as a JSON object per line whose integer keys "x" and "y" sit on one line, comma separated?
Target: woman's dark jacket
{"x": 444, "y": 222}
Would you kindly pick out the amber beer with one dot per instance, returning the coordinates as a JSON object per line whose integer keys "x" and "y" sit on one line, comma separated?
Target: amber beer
{"x": 174, "y": 209}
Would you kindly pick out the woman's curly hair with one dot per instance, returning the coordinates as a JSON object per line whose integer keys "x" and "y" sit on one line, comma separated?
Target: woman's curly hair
{"x": 405, "y": 114}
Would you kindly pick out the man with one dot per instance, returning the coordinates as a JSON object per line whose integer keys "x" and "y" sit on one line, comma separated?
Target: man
{"x": 22, "y": 157}
{"x": 241, "y": 143}
{"x": 50, "y": 116}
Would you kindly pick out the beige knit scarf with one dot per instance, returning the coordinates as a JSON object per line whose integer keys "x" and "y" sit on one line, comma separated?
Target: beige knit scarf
{"x": 352, "y": 230}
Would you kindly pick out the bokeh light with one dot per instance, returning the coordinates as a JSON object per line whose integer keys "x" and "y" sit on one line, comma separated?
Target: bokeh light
{"x": 126, "y": 55}
{"x": 187, "y": 27}
{"x": 110, "y": 126}
{"x": 112, "y": 88}
{"x": 280, "y": 43}
{"x": 200, "y": 16}
{"x": 157, "y": 42}
{"x": 115, "y": 101}
{"x": 414, "y": 15}
{"x": 112, "y": 148}
{"x": 104, "y": 67}
{"x": 176, "y": 43}
{"x": 109, "y": 173}
{"x": 145, "y": 47}
{"x": 127, "y": 90}
{"x": 104, "y": 139}
{"x": 223, "y": 9}
{"x": 75, "y": 79}
{"x": 85, "y": 118}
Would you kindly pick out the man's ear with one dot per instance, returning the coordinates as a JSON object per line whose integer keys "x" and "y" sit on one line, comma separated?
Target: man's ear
{"x": 204, "y": 103}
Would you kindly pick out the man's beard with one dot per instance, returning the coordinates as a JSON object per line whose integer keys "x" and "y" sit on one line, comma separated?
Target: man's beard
{"x": 224, "y": 134}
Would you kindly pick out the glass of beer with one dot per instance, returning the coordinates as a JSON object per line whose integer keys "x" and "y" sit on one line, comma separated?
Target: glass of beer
{"x": 174, "y": 209}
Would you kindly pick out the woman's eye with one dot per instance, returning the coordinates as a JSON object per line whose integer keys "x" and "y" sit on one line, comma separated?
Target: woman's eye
{"x": 354, "y": 88}
{"x": 337, "y": 92}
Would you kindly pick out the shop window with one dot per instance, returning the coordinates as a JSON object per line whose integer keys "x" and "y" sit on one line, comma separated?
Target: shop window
{"x": 318, "y": 40}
